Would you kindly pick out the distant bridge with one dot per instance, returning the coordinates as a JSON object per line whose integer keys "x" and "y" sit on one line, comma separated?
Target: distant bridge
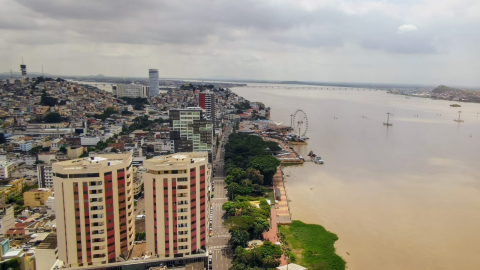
{"x": 104, "y": 84}
{"x": 317, "y": 87}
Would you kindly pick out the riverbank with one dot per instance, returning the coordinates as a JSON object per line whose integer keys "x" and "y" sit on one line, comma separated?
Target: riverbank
{"x": 310, "y": 246}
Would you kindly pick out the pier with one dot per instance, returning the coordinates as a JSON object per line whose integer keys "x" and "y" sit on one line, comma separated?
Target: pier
{"x": 292, "y": 158}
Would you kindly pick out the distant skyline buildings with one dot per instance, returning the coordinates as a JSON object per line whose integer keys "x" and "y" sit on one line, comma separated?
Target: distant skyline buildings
{"x": 206, "y": 101}
{"x": 190, "y": 131}
{"x": 131, "y": 90}
{"x": 154, "y": 85}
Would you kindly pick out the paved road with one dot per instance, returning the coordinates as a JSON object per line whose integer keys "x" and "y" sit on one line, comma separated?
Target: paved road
{"x": 218, "y": 243}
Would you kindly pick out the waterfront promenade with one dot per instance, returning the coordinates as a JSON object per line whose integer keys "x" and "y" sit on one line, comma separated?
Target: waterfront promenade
{"x": 282, "y": 208}
{"x": 280, "y": 213}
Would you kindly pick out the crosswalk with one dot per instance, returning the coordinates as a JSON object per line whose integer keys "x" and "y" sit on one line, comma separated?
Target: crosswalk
{"x": 221, "y": 235}
{"x": 218, "y": 247}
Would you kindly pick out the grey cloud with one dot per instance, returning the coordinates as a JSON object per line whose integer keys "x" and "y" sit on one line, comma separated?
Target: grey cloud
{"x": 251, "y": 34}
{"x": 193, "y": 21}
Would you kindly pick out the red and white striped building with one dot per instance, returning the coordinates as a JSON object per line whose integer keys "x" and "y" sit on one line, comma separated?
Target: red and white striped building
{"x": 176, "y": 199}
{"x": 94, "y": 209}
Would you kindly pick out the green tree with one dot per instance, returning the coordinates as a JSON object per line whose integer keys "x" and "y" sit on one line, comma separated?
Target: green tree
{"x": 255, "y": 176}
{"x": 230, "y": 207}
{"x": 101, "y": 145}
{"x": 106, "y": 113}
{"x": 236, "y": 175}
{"x": 260, "y": 226}
{"x": 239, "y": 238}
{"x": 113, "y": 150}
{"x": 267, "y": 165}
{"x": 13, "y": 264}
{"x": 53, "y": 117}
{"x": 46, "y": 100}
{"x": 84, "y": 154}
{"x": 63, "y": 149}
{"x": 140, "y": 236}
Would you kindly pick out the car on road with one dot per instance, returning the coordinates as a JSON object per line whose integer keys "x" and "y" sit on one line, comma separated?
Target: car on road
{"x": 210, "y": 234}
{"x": 210, "y": 252}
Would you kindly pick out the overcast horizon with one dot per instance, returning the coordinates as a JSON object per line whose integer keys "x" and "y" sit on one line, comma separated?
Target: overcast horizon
{"x": 392, "y": 42}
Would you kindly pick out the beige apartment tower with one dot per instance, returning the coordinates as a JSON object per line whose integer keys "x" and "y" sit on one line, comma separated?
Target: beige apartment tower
{"x": 175, "y": 204}
{"x": 94, "y": 209}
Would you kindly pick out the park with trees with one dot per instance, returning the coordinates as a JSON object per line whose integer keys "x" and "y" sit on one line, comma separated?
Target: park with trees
{"x": 250, "y": 167}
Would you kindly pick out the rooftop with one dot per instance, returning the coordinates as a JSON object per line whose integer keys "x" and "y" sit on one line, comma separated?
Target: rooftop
{"x": 40, "y": 190}
{"x": 175, "y": 159}
{"x": 95, "y": 161}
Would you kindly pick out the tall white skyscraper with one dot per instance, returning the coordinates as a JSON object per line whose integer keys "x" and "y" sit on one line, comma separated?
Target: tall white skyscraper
{"x": 153, "y": 76}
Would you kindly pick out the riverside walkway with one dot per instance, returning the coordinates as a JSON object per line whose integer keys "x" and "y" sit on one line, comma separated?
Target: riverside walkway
{"x": 282, "y": 208}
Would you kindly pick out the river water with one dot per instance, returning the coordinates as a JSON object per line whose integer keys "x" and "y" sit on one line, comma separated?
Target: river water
{"x": 402, "y": 197}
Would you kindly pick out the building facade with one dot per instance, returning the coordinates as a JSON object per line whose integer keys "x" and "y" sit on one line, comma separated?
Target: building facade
{"x": 36, "y": 197}
{"x": 175, "y": 204}
{"x": 131, "y": 90}
{"x": 190, "y": 132}
{"x": 94, "y": 209}
{"x": 153, "y": 82}
{"x": 74, "y": 152}
{"x": 206, "y": 101}
{"x": 6, "y": 169}
{"x": 45, "y": 176}
{"x": 7, "y": 218}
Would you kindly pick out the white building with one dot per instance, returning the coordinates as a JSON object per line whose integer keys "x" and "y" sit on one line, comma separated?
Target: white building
{"x": 29, "y": 160}
{"x": 131, "y": 90}
{"x": 45, "y": 176}
{"x": 6, "y": 169}
{"x": 89, "y": 141}
{"x": 7, "y": 219}
{"x": 25, "y": 146}
{"x": 50, "y": 205}
{"x": 56, "y": 144}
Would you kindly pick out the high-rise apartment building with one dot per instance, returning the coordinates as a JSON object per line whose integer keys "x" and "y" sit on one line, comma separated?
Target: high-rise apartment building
{"x": 176, "y": 199}
{"x": 206, "y": 101}
{"x": 23, "y": 70}
{"x": 45, "y": 176}
{"x": 190, "y": 131}
{"x": 94, "y": 209}
{"x": 154, "y": 86}
{"x": 132, "y": 90}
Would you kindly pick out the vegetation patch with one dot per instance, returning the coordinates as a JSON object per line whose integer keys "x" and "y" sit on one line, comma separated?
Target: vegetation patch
{"x": 311, "y": 246}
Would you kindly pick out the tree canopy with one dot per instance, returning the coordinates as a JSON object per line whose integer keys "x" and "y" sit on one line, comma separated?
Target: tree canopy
{"x": 264, "y": 256}
{"x": 47, "y": 100}
{"x": 53, "y": 117}
{"x": 106, "y": 113}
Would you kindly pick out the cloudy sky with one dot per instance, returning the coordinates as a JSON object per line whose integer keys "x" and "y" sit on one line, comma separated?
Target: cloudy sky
{"x": 389, "y": 41}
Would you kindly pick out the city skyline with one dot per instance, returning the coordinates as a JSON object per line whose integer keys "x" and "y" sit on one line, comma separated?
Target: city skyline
{"x": 406, "y": 42}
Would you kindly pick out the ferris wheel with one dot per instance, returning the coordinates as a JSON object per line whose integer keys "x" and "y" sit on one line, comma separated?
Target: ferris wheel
{"x": 300, "y": 122}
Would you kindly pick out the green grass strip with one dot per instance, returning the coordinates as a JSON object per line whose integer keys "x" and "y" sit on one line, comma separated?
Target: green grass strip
{"x": 311, "y": 246}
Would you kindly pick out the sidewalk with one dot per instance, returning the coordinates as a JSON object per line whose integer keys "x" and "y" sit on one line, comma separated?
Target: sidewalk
{"x": 272, "y": 236}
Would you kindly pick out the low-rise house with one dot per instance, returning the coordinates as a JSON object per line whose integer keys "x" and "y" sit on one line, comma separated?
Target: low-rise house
{"x": 11, "y": 186}
{"x": 6, "y": 168}
{"x": 7, "y": 218}
{"x": 36, "y": 197}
